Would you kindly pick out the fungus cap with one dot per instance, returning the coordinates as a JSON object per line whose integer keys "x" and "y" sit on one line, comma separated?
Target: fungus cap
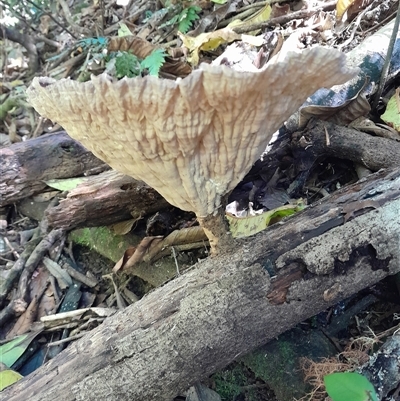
{"x": 194, "y": 139}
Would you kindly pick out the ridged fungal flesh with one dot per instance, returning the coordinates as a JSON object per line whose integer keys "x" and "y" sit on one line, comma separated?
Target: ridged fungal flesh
{"x": 193, "y": 139}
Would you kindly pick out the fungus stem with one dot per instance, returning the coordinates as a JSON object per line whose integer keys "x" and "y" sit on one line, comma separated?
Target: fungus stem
{"x": 217, "y": 230}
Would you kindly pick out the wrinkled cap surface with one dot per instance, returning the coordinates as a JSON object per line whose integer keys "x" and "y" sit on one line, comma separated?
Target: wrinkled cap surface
{"x": 193, "y": 140}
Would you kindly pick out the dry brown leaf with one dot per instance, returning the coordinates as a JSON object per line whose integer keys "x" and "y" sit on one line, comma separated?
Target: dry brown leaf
{"x": 207, "y": 41}
{"x": 134, "y": 255}
{"x": 139, "y": 47}
{"x": 123, "y": 227}
{"x": 142, "y": 249}
{"x": 178, "y": 237}
{"x": 125, "y": 257}
{"x": 25, "y": 321}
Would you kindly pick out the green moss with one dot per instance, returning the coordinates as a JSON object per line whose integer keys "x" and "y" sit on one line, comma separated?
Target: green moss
{"x": 104, "y": 241}
{"x": 228, "y": 382}
{"x": 278, "y": 362}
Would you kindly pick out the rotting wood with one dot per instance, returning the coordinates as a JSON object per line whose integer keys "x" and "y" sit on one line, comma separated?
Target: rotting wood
{"x": 322, "y": 138}
{"x": 204, "y": 319}
{"x": 26, "y": 165}
{"x": 383, "y": 368}
{"x": 105, "y": 199}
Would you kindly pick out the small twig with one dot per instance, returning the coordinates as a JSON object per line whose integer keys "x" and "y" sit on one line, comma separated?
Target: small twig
{"x": 66, "y": 340}
{"x": 38, "y": 128}
{"x": 35, "y": 258}
{"x": 240, "y": 16}
{"x": 253, "y": 8}
{"x": 385, "y": 68}
{"x": 356, "y": 25}
{"x": 39, "y": 38}
{"x": 120, "y": 301}
{"x": 90, "y": 282}
{"x": 257, "y": 4}
{"x": 383, "y": 22}
{"x": 131, "y": 17}
{"x": 176, "y": 261}
{"x": 102, "y": 17}
{"x": 14, "y": 252}
{"x": 15, "y": 272}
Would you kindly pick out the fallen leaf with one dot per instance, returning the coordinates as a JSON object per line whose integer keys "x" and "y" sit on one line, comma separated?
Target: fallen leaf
{"x": 250, "y": 225}
{"x": 391, "y": 116}
{"x": 207, "y": 41}
{"x": 12, "y": 350}
{"x": 8, "y": 377}
{"x": 66, "y": 184}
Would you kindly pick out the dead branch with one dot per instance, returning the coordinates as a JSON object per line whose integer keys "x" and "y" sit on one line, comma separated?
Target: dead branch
{"x": 230, "y": 304}
{"x": 27, "y": 165}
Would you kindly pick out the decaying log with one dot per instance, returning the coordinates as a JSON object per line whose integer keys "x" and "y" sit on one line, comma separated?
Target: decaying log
{"x": 322, "y": 138}
{"x": 383, "y": 369}
{"x": 229, "y": 304}
{"x": 105, "y": 199}
{"x": 26, "y": 165}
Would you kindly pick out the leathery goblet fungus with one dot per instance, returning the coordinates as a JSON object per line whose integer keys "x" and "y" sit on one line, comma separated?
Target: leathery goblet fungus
{"x": 193, "y": 139}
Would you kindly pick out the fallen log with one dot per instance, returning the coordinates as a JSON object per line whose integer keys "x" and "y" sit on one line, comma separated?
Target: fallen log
{"x": 105, "y": 199}
{"x": 25, "y": 166}
{"x": 323, "y": 139}
{"x": 228, "y": 305}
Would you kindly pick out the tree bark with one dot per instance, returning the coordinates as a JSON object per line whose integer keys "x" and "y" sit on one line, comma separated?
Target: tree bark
{"x": 230, "y": 304}
{"x": 26, "y": 165}
{"x": 105, "y": 199}
{"x": 323, "y": 138}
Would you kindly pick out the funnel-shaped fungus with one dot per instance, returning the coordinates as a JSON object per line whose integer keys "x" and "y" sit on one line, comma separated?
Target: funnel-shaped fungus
{"x": 193, "y": 140}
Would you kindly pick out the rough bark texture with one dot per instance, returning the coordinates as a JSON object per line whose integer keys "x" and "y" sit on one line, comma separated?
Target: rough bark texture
{"x": 26, "y": 165}
{"x": 230, "y": 304}
{"x": 323, "y": 138}
{"x": 105, "y": 199}
{"x": 383, "y": 369}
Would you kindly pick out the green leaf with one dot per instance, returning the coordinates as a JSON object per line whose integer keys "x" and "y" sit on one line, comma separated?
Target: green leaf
{"x": 11, "y": 351}
{"x": 349, "y": 386}
{"x": 187, "y": 17}
{"x": 8, "y": 377}
{"x": 123, "y": 30}
{"x": 392, "y": 116}
{"x": 66, "y": 184}
{"x": 245, "y": 226}
{"x": 154, "y": 61}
